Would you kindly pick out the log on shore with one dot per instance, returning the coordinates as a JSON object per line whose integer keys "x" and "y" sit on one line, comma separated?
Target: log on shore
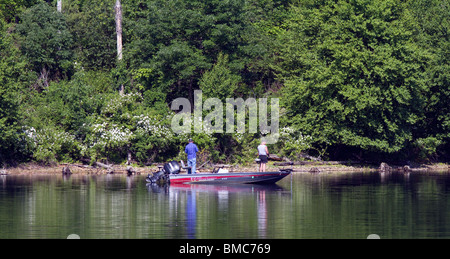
{"x": 275, "y": 158}
{"x": 318, "y": 163}
{"x": 384, "y": 167}
{"x": 131, "y": 170}
{"x": 66, "y": 170}
{"x": 314, "y": 170}
{"x": 109, "y": 168}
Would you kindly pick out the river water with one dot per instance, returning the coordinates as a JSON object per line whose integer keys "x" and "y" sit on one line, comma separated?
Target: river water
{"x": 303, "y": 205}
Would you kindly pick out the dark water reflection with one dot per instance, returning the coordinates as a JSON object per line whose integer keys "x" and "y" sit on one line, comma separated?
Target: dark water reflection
{"x": 338, "y": 205}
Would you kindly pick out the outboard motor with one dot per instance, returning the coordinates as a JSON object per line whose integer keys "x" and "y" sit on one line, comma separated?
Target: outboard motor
{"x": 163, "y": 175}
{"x": 155, "y": 177}
{"x": 172, "y": 168}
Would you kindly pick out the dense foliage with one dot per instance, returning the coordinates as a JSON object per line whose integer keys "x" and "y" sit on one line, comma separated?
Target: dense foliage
{"x": 357, "y": 79}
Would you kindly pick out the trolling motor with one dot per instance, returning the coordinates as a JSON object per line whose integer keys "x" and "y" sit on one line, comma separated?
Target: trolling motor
{"x": 162, "y": 176}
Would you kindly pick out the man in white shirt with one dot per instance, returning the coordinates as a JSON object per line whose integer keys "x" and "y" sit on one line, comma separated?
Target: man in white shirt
{"x": 263, "y": 153}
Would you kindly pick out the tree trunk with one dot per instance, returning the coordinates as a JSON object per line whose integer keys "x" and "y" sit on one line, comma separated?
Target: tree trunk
{"x": 59, "y": 6}
{"x": 118, "y": 9}
{"x": 129, "y": 156}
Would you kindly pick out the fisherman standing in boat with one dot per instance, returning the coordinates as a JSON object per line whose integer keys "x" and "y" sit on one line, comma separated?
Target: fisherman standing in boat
{"x": 263, "y": 153}
{"x": 191, "y": 151}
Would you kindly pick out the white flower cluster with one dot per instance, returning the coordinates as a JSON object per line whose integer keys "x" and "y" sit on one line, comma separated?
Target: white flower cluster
{"x": 286, "y": 132}
{"x": 239, "y": 136}
{"x": 49, "y": 143}
{"x": 153, "y": 126}
{"x": 117, "y": 102}
{"x": 295, "y": 143}
{"x": 30, "y": 133}
{"x": 110, "y": 135}
{"x": 302, "y": 141}
{"x": 47, "y": 136}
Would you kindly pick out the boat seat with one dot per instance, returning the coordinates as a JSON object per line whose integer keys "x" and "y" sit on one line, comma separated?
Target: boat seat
{"x": 183, "y": 165}
{"x": 217, "y": 168}
{"x": 187, "y": 168}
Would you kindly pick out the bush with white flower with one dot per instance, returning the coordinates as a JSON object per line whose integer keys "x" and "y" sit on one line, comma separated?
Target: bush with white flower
{"x": 294, "y": 143}
{"x": 153, "y": 138}
{"x": 50, "y": 145}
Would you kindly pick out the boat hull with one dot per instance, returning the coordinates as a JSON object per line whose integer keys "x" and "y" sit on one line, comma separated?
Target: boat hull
{"x": 229, "y": 178}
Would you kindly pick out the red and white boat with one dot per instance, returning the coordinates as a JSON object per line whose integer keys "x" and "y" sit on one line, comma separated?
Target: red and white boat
{"x": 229, "y": 178}
{"x": 170, "y": 174}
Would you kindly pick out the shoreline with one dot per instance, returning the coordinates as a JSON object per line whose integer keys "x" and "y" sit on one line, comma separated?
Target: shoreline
{"x": 323, "y": 167}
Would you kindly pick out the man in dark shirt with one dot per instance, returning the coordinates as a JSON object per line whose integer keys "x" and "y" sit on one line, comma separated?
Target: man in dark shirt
{"x": 191, "y": 151}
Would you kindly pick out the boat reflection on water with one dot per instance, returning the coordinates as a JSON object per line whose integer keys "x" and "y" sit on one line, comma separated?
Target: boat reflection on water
{"x": 232, "y": 188}
{"x": 189, "y": 199}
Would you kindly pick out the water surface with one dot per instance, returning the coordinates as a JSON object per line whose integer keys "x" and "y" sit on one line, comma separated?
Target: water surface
{"x": 337, "y": 205}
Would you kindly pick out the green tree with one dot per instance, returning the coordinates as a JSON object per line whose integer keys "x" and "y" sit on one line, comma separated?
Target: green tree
{"x": 179, "y": 40}
{"x": 220, "y": 82}
{"x": 353, "y": 74}
{"x": 433, "y": 33}
{"x": 9, "y": 9}
{"x": 13, "y": 76}
{"x": 46, "y": 41}
{"x": 92, "y": 25}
